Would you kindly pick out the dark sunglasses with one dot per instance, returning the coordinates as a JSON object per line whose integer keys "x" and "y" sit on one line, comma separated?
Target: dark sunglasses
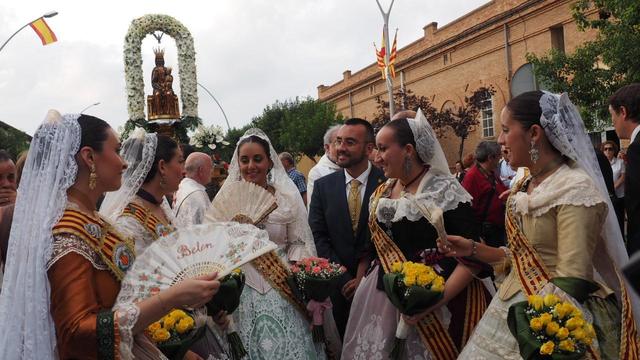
{"x": 608, "y": 149}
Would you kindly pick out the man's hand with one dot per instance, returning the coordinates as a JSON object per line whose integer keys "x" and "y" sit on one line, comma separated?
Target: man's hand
{"x": 349, "y": 289}
{"x": 7, "y": 196}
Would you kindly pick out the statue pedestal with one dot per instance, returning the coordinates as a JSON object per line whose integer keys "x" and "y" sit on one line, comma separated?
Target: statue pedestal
{"x": 164, "y": 126}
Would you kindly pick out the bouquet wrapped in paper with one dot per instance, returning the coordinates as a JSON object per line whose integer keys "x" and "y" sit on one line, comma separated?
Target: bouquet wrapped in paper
{"x": 412, "y": 288}
{"x": 176, "y": 332}
{"x": 549, "y": 328}
{"x": 315, "y": 279}
{"x": 228, "y": 299}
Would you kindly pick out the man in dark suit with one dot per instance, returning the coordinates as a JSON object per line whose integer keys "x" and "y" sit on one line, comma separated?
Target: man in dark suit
{"x": 624, "y": 107}
{"x": 339, "y": 210}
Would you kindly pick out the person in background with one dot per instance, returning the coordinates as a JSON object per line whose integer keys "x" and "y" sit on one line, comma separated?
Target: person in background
{"x": 610, "y": 150}
{"x": 624, "y": 107}
{"x": 296, "y": 176}
{"x": 7, "y": 179}
{"x": 192, "y": 201}
{"x": 507, "y": 173}
{"x": 485, "y": 187}
{"x": 327, "y": 163}
{"x": 460, "y": 171}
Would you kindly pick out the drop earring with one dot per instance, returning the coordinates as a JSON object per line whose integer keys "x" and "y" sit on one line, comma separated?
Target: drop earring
{"x": 93, "y": 178}
{"x": 534, "y": 153}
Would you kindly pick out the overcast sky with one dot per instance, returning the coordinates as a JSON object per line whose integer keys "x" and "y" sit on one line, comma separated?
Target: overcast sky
{"x": 249, "y": 52}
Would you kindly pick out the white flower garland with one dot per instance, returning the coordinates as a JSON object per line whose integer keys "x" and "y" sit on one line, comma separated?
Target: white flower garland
{"x": 208, "y": 136}
{"x": 138, "y": 30}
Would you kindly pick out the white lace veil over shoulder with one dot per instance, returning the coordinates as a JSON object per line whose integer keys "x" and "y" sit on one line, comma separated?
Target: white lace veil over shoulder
{"x": 438, "y": 186}
{"x": 279, "y": 179}
{"x": 138, "y": 151}
{"x": 27, "y": 330}
{"x": 565, "y": 130}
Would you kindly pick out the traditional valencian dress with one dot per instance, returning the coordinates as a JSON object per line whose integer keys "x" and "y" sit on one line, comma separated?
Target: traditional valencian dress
{"x": 140, "y": 223}
{"x": 401, "y": 231}
{"x": 89, "y": 259}
{"x": 554, "y": 236}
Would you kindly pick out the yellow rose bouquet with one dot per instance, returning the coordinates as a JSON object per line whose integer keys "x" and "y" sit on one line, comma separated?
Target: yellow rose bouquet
{"x": 412, "y": 288}
{"x": 175, "y": 333}
{"x": 548, "y": 328}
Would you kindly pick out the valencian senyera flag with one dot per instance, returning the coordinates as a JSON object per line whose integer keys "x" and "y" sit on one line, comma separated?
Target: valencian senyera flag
{"x": 44, "y": 31}
{"x": 380, "y": 57}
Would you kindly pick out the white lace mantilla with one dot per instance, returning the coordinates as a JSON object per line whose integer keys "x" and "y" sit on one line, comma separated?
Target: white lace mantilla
{"x": 441, "y": 191}
{"x": 566, "y": 186}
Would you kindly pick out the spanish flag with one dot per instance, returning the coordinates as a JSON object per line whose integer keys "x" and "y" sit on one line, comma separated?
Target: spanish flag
{"x": 44, "y": 31}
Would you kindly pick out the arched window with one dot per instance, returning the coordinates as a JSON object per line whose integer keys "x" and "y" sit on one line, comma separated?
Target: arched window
{"x": 523, "y": 80}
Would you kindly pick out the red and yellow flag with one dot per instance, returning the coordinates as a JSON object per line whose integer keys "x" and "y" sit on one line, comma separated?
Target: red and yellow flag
{"x": 380, "y": 57}
{"x": 44, "y": 31}
{"x": 392, "y": 55}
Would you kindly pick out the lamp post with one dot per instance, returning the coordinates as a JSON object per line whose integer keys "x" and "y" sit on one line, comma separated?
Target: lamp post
{"x": 50, "y": 14}
{"x": 385, "y": 34}
{"x": 217, "y": 102}
{"x": 92, "y": 105}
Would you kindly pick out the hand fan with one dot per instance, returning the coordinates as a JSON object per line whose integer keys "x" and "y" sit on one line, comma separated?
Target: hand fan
{"x": 243, "y": 202}
{"x": 191, "y": 252}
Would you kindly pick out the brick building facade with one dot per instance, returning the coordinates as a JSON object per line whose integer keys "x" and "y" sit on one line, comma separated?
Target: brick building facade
{"x": 487, "y": 46}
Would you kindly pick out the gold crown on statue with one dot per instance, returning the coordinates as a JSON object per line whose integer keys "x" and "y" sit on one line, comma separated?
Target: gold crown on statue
{"x": 159, "y": 53}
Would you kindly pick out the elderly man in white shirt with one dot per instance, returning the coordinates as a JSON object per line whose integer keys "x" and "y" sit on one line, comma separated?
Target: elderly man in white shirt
{"x": 191, "y": 200}
{"x": 327, "y": 163}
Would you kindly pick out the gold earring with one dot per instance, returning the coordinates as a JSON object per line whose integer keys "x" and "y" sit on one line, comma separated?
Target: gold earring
{"x": 93, "y": 178}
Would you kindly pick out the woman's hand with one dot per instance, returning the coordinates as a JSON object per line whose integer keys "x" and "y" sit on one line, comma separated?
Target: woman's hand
{"x": 457, "y": 246}
{"x": 194, "y": 293}
{"x": 415, "y": 319}
{"x": 190, "y": 355}
{"x": 221, "y": 319}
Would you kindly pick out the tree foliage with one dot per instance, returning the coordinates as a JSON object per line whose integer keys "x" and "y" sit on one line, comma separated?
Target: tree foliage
{"x": 13, "y": 140}
{"x": 597, "y": 68}
{"x": 460, "y": 122}
{"x": 297, "y": 126}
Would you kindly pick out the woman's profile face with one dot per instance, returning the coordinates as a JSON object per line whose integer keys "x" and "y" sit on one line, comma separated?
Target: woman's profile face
{"x": 174, "y": 172}
{"x": 390, "y": 155}
{"x": 515, "y": 139}
{"x": 254, "y": 163}
{"x": 109, "y": 165}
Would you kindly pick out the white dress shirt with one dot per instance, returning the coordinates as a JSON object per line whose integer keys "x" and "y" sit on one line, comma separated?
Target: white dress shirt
{"x": 363, "y": 178}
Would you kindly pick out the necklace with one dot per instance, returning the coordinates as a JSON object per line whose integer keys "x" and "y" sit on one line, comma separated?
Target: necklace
{"x": 82, "y": 198}
{"x": 147, "y": 196}
{"x": 404, "y": 186}
{"x": 547, "y": 168}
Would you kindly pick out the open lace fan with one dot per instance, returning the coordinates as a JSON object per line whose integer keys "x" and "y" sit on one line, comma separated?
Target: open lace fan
{"x": 243, "y": 202}
{"x": 191, "y": 252}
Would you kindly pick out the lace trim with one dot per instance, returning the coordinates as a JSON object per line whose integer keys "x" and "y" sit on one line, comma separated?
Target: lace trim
{"x": 127, "y": 317}
{"x": 442, "y": 191}
{"x": 66, "y": 244}
{"x": 567, "y": 186}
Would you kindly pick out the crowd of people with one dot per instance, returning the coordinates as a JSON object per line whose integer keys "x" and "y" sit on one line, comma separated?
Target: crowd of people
{"x": 531, "y": 215}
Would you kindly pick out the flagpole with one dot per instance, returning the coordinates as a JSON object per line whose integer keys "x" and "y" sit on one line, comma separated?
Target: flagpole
{"x": 47, "y": 15}
{"x": 385, "y": 16}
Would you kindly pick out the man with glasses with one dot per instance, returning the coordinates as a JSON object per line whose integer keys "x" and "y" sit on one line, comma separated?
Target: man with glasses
{"x": 507, "y": 173}
{"x": 339, "y": 210}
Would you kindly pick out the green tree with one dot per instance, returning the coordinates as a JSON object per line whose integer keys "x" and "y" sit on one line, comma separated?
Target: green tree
{"x": 297, "y": 126}
{"x": 465, "y": 119}
{"x": 597, "y": 68}
{"x": 13, "y": 140}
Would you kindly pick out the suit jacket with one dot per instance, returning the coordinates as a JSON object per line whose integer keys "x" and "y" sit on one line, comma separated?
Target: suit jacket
{"x": 632, "y": 196}
{"x": 331, "y": 224}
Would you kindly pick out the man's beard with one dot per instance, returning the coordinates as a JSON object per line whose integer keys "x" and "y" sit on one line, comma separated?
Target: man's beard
{"x": 352, "y": 160}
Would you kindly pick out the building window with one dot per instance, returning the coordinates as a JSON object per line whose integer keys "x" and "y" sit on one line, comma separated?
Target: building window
{"x": 445, "y": 59}
{"x": 486, "y": 111}
{"x": 557, "y": 38}
{"x": 372, "y": 89}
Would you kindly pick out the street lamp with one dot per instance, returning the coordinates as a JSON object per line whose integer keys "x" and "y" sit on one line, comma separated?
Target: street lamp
{"x": 50, "y": 14}
{"x": 217, "y": 102}
{"x": 92, "y": 105}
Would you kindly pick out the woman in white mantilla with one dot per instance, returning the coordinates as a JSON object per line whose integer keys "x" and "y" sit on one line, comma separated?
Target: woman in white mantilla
{"x": 65, "y": 262}
{"x": 563, "y": 236}
{"x": 272, "y": 324}
{"x": 403, "y": 229}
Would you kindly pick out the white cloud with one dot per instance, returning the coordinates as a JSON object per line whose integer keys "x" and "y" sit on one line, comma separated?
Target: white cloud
{"x": 249, "y": 52}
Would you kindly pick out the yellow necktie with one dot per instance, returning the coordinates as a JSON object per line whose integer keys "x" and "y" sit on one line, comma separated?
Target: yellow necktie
{"x": 354, "y": 203}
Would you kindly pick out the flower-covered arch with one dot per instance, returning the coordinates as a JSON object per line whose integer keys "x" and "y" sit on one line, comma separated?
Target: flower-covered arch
{"x": 139, "y": 29}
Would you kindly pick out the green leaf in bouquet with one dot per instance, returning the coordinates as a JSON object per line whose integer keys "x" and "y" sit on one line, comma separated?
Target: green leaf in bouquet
{"x": 176, "y": 348}
{"x": 518, "y": 321}
{"x": 228, "y": 296}
{"x": 409, "y": 300}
